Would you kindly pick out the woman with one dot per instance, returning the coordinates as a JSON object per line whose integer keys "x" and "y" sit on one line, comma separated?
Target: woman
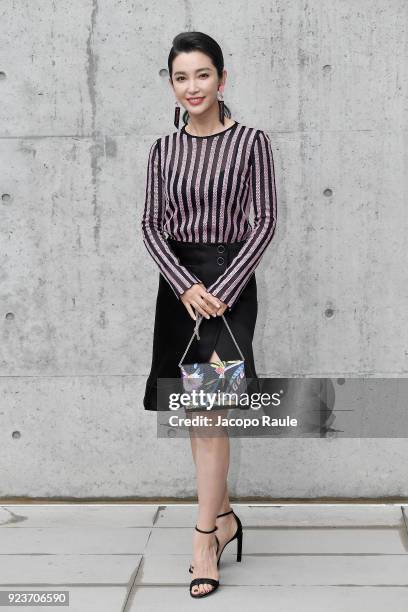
{"x": 202, "y": 182}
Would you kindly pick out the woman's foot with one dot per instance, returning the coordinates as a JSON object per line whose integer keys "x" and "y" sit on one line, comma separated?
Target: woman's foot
{"x": 227, "y": 527}
{"x": 204, "y": 560}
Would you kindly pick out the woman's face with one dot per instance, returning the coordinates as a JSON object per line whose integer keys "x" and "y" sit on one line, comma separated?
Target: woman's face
{"x": 195, "y": 81}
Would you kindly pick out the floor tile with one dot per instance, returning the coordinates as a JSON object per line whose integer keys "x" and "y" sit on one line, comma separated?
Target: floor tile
{"x": 71, "y": 540}
{"x": 283, "y": 570}
{"x": 277, "y": 599}
{"x": 81, "y": 599}
{"x": 68, "y": 569}
{"x": 74, "y": 515}
{"x": 292, "y": 540}
{"x": 318, "y": 515}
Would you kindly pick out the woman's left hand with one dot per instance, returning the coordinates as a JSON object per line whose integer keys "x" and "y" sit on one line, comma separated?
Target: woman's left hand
{"x": 222, "y": 308}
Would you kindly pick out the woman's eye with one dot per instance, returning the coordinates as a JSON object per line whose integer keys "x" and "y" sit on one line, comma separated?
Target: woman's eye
{"x": 204, "y": 74}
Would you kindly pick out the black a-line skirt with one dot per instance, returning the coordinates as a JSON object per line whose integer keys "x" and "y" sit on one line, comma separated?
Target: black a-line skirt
{"x": 173, "y": 326}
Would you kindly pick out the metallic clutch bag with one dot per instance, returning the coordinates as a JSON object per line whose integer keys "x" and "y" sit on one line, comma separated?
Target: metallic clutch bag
{"x": 226, "y": 377}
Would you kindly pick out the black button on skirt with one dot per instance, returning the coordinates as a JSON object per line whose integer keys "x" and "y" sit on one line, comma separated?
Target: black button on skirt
{"x": 173, "y": 326}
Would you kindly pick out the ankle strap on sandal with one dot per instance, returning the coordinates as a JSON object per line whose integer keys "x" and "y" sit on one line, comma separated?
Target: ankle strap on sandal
{"x": 225, "y": 513}
{"x": 211, "y": 530}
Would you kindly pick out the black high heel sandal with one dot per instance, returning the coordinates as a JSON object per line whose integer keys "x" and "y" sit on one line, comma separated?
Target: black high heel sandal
{"x": 238, "y": 536}
{"x": 196, "y": 581}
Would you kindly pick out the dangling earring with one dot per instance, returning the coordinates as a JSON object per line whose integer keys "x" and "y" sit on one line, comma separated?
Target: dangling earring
{"x": 177, "y": 115}
{"x": 221, "y": 104}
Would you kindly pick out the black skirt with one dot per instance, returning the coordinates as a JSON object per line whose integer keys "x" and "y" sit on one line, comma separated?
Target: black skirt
{"x": 173, "y": 326}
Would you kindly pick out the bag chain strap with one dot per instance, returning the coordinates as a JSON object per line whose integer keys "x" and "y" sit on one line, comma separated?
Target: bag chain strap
{"x": 195, "y": 333}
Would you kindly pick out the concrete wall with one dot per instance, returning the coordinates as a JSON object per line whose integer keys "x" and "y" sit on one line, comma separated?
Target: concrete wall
{"x": 84, "y": 93}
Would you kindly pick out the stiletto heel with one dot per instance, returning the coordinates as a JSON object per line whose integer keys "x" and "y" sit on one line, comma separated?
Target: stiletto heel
{"x": 238, "y": 535}
{"x": 196, "y": 581}
{"x": 239, "y": 546}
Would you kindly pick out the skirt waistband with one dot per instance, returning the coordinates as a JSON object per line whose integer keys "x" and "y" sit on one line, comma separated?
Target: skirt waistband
{"x": 202, "y": 252}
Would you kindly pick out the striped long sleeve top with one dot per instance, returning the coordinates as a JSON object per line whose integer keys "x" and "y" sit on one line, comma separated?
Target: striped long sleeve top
{"x": 202, "y": 189}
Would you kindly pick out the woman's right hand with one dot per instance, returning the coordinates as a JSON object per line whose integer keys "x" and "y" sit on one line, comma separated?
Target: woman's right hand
{"x": 199, "y": 298}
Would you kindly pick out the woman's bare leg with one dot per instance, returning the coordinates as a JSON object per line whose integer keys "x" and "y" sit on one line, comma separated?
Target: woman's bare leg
{"x": 211, "y": 458}
{"x": 225, "y": 504}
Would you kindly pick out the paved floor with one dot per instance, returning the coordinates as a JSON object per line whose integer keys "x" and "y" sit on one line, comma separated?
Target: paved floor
{"x": 132, "y": 557}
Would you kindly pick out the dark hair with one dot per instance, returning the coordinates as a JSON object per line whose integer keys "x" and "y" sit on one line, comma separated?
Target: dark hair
{"x": 197, "y": 41}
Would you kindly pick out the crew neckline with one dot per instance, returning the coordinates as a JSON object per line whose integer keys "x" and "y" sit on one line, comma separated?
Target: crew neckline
{"x": 183, "y": 131}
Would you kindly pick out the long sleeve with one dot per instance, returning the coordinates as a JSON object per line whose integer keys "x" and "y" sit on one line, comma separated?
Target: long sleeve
{"x": 262, "y": 187}
{"x": 178, "y": 277}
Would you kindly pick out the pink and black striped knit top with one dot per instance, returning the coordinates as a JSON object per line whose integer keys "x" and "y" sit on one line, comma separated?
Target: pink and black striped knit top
{"x": 202, "y": 189}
